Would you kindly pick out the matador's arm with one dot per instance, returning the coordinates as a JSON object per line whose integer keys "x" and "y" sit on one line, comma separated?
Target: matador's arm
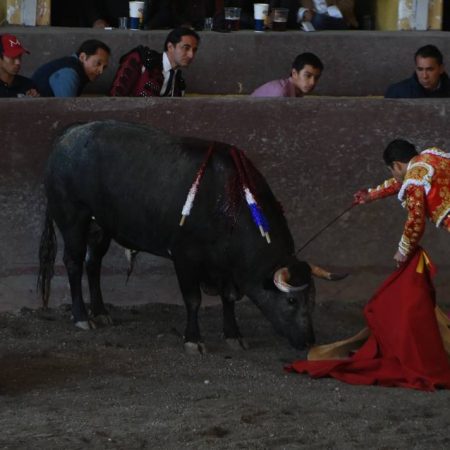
{"x": 389, "y": 187}
{"x": 415, "y": 223}
{"x": 386, "y": 189}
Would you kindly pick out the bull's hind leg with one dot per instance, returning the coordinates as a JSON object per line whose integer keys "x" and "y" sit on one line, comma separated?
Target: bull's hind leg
{"x": 73, "y": 224}
{"x": 232, "y": 334}
{"x": 190, "y": 290}
{"x": 98, "y": 244}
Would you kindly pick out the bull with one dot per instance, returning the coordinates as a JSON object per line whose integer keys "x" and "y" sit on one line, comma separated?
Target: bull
{"x": 128, "y": 182}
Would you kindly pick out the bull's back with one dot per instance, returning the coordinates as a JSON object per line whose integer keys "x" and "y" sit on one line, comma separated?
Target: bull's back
{"x": 133, "y": 178}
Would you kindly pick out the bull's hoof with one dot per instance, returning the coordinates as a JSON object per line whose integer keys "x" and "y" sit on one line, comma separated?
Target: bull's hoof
{"x": 103, "y": 320}
{"x": 237, "y": 344}
{"x": 194, "y": 348}
{"x": 209, "y": 289}
{"x": 85, "y": 325}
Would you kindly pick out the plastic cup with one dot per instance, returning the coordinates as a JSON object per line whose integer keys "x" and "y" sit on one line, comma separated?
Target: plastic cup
{"x": 261, "y": 10}
{"x": 136, "y": 12}
{"x": 208, "y": 24}
{"x": 279, "y": 20}
{"x": 123, "y": 23}
{"x": 232, "y": 17}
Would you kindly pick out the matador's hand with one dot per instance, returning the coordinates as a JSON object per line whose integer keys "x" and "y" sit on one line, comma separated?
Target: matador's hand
{"x": 399, "y": 258}
{"x": 361, "y": 197}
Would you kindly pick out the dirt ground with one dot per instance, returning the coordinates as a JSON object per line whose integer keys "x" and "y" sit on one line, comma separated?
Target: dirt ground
{"x": 131, "y": 386}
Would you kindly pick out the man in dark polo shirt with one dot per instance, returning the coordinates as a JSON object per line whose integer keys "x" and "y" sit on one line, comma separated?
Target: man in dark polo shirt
{"x": 67, "y": 76}
{"x": 11, "y": 83}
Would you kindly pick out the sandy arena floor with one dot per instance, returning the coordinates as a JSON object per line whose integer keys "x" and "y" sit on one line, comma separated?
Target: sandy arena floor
{"x": 131, "y": 386}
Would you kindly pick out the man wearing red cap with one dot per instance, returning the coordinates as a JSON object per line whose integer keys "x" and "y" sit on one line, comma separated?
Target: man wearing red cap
{"x": 11, "y": 83}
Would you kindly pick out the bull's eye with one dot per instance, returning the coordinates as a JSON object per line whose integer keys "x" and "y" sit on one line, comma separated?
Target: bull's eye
{"x": 292, "y": 300}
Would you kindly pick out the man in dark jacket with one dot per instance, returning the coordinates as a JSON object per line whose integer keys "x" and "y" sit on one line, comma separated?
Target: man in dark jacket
{"x": 147, "y": 73}
{"x": 67, "y": 76}
{"x": 430, "y": 79}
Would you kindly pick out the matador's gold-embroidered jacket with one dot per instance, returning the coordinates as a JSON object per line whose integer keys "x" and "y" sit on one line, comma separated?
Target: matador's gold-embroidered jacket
{"x": 425, "y": 192}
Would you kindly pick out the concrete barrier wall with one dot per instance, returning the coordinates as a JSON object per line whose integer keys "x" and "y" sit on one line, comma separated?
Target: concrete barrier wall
{"x": 315, "y": 153}
{"x": 357, "y": 63}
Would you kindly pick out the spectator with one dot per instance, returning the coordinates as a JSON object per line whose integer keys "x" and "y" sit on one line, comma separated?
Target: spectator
{"x": 180, "y": 13}
{"x": 430, "y": 79}
{"x": 12, "y": 84}
{"x": 104, "y": 13}
{"x": 328, "y": 15}
{"x": 305, "y": 73}
{"x": 67, "y": 76}
{"x": 146, "y": 73}
{"x": 157, "y": 13}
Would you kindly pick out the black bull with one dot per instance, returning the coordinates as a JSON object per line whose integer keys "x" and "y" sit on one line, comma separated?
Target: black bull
{"x": 134, "y": 179}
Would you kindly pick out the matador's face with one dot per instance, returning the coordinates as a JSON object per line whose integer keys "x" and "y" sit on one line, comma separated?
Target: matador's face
{"x": 398, "y": 170}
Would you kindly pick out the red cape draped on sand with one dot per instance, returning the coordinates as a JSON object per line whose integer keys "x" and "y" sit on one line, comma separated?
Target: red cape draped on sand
{"x": 404, "y": 347}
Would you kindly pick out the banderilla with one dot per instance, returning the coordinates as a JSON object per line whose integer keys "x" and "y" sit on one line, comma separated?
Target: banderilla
{"x": 325, "y": 227}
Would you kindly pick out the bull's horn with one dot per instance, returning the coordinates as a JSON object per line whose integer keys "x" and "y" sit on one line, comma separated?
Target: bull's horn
{"x": 281, "y": 278}
{"x": 322, "y": 273}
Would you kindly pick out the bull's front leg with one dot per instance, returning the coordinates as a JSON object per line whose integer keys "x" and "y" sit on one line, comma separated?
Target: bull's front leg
{"x": 190, "y": 290}
{"x": 232, "y": 334}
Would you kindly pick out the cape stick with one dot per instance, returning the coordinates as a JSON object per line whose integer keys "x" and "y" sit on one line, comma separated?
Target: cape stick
{"x": 325, "y": 227}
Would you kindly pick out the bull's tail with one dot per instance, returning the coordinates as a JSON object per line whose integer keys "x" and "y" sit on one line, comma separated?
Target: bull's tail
{"x": 48, "y": 248}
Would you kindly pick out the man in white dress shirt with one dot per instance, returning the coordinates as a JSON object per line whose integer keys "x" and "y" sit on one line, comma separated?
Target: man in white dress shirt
{"x": 144, "y": 72}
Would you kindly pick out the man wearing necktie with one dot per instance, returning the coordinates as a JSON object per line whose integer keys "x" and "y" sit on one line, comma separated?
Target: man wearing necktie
{"x": 146, "y": 73}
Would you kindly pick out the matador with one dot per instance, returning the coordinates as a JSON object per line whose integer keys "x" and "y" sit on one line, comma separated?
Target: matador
{"x": 421, "y": 182}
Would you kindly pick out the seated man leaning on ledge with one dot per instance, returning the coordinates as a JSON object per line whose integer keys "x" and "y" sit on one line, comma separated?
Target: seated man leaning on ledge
{"x": 147, "y": 73}
{"x": 11, "y": 83}
{"x": 67, "y": 76}
{"x": 305, "y": 73}
{"x": 429, "y": 81}
{"x": 328, "y": 14}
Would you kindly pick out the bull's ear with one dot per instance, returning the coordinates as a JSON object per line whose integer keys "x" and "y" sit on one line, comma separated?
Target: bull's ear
{"x": 268, "y": 283}
{"x": 300, "y": 273}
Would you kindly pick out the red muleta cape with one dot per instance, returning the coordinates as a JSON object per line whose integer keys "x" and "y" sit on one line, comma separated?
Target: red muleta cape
{"x": 404, "y": 347}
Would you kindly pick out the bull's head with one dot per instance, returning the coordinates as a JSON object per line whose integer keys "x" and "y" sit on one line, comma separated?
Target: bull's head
{"x": 287, "y": 300}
